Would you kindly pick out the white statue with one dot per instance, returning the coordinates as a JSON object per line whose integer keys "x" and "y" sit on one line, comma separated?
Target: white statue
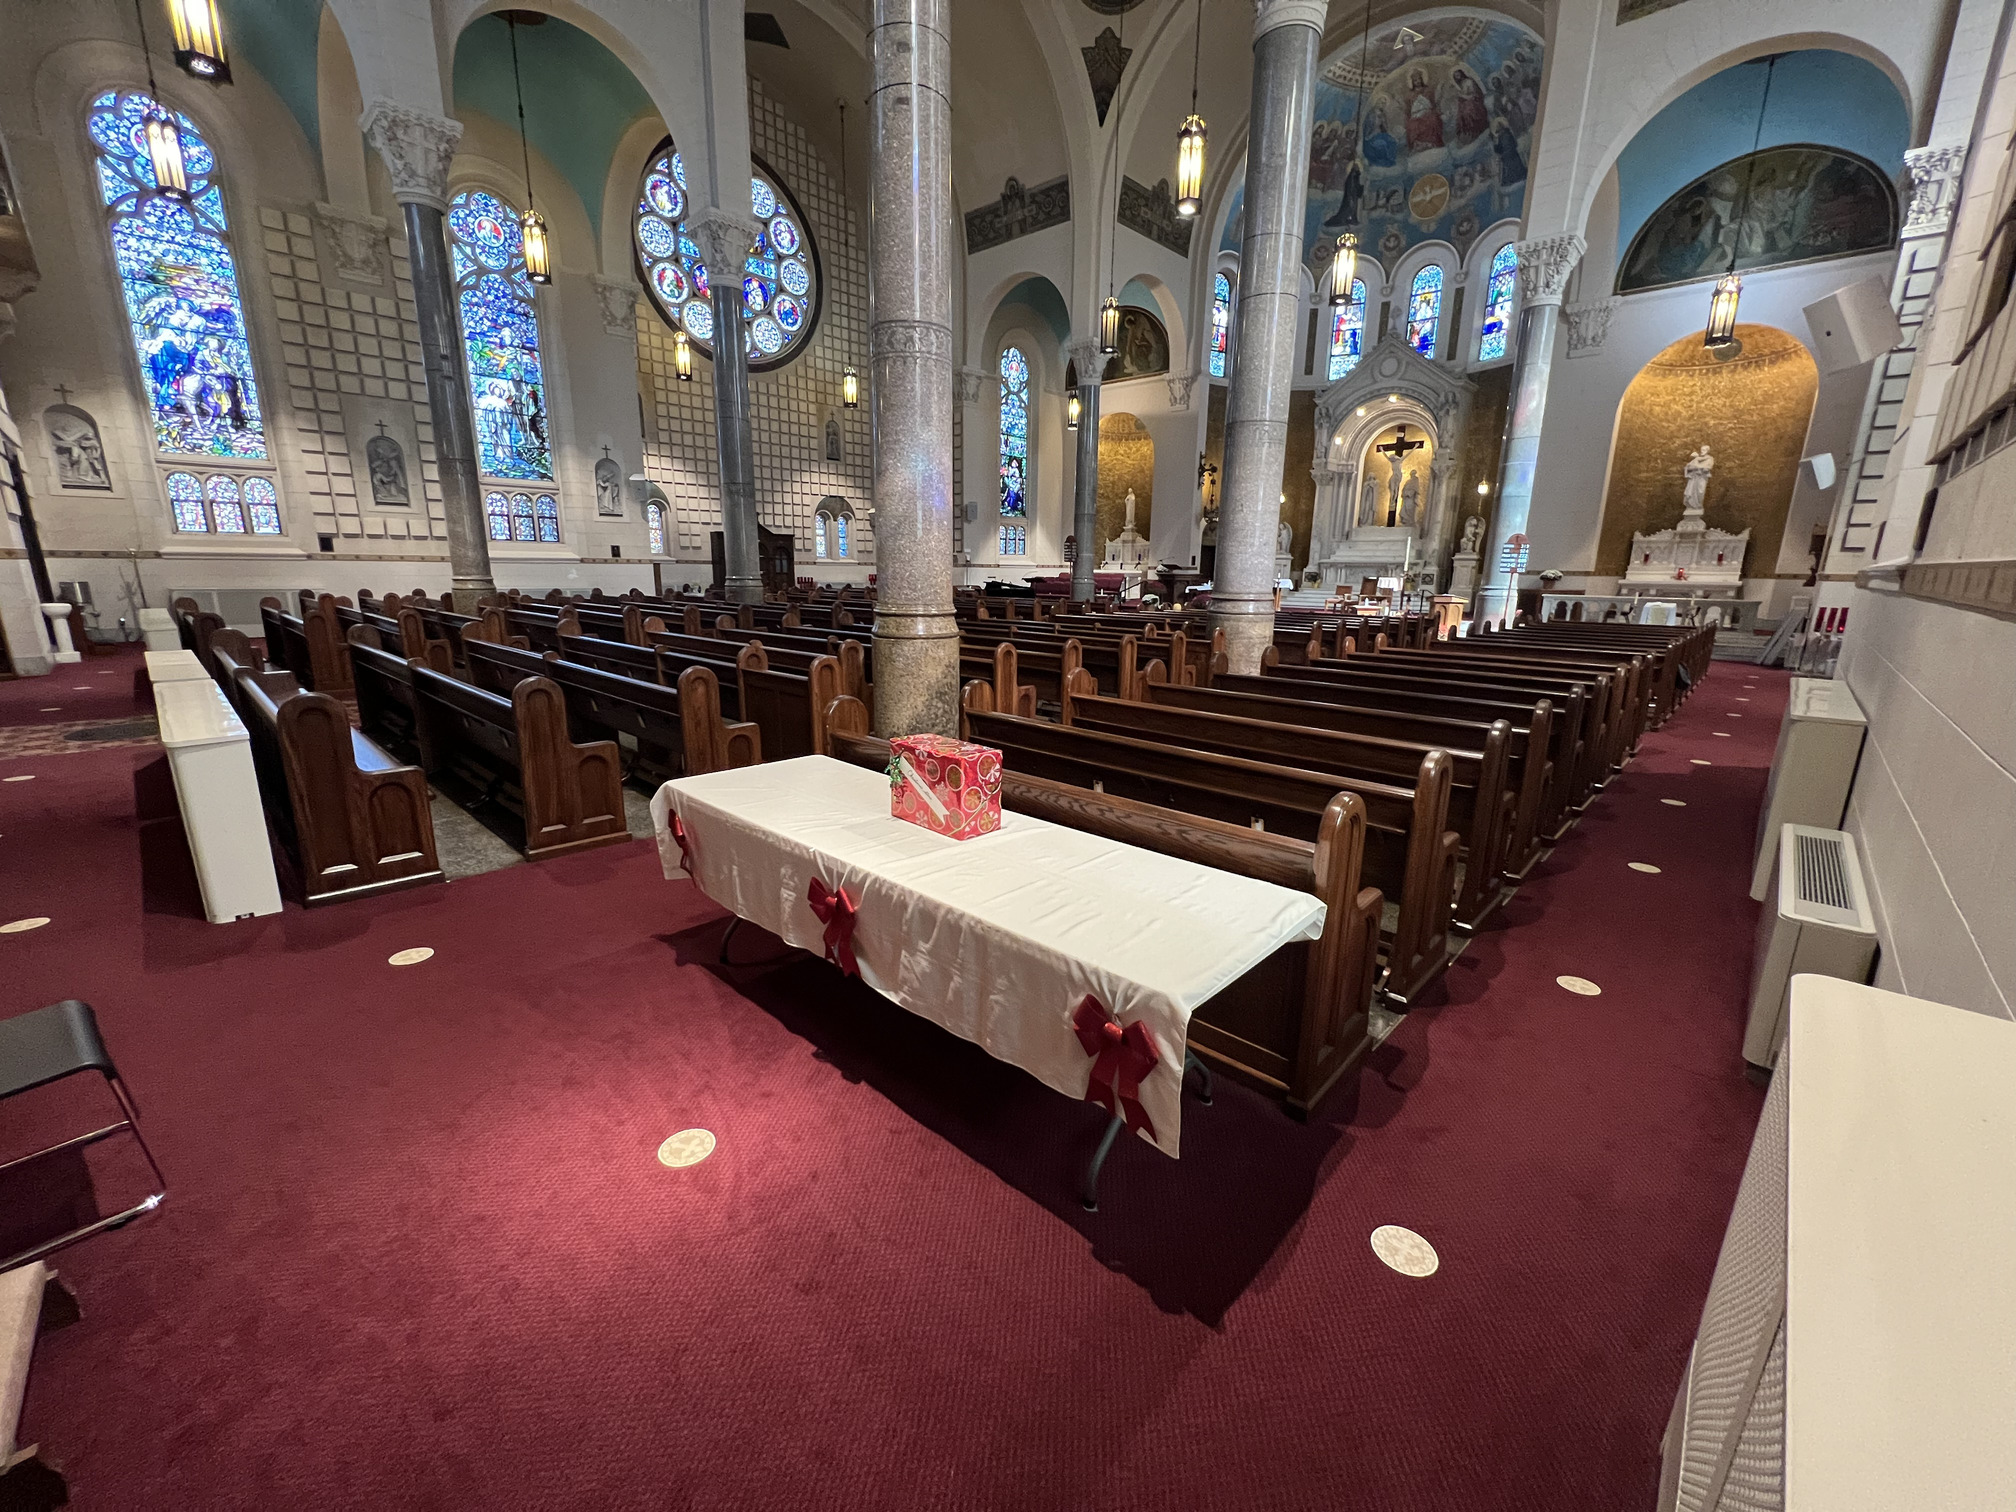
{"x": 1128, "y": 528}
{"x": 1368, "y": 506}
{"x": 1284, "y": 540}
{"x": 1473, "y": 534}
{"x": 1699, "y": 466}
{"x": 1410, "y": 500}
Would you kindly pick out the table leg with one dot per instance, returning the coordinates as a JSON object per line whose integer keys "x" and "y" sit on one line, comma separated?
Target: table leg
{"x": 1088, "y": 1189}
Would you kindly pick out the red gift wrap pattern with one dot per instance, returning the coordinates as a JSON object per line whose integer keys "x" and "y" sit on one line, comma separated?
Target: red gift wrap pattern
{"x": 948, "y": 786}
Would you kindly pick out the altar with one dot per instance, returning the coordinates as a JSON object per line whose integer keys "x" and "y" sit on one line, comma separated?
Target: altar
{"x": 1690, "y": 559}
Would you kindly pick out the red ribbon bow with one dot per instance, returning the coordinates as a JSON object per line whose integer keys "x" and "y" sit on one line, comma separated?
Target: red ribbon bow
{"x": 1124, "y": 1057}
{"x": 837, "y": 912}
{"x": 685, "y": 847}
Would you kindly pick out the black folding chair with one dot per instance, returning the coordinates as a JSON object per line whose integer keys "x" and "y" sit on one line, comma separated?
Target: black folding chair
{"x": 45, "y": 1046}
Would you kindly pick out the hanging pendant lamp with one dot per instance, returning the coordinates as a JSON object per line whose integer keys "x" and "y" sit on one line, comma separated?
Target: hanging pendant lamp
{"x": 199, "y": 40}
{"x": 1109, "y": 327}
{"x": 1190, "y": 138}
{"x": 682, "y": 356}
{"x": 850, "y": 381}
{"x": 1071, "y": 408}
{"x": 159, "y": 131}
{"x": 1720, "y": 334}
{"x": 850, "y": 388}
{"x": 532, "y": 225}
{"x": 1343, "y": 270}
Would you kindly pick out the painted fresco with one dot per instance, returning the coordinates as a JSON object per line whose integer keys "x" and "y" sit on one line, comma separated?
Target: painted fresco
{"x": 1804, "y": 204}
{"x": 1444, "y": 145}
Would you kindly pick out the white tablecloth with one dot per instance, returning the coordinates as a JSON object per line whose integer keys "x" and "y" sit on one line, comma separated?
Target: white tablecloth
{"x": 998, "y": 938}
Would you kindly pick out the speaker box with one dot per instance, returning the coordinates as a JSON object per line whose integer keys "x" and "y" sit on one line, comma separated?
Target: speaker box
{"x": 1853, "y": 325}
{"x": 1819, "y": 470}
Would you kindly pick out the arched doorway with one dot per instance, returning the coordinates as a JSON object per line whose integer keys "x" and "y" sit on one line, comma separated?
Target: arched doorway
{"x": 1751, "y": 411}
{"x": 1126, "y": 466}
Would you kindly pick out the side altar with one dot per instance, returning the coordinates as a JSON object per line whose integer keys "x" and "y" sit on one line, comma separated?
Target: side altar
{"x": 1690, "y": 558}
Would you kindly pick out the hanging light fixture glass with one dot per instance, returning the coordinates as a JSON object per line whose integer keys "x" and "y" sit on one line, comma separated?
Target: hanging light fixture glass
{"x": 1071, "y": 408}
{"x": 850, "y": 381}
{"x": 1720, "y": 335}
{"x": 1109, "y": 327}
{"x": 682, "y": 356}
{"x": 1344, "y": 269}
{"x": 199, "y": 40}
{"x": 531, "y": 225}
{"x": 1190, "y": 138}
{"x": 163, "y": 137}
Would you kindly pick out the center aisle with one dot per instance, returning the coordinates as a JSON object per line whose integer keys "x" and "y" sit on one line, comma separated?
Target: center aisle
{"x": 419, "y": 1251}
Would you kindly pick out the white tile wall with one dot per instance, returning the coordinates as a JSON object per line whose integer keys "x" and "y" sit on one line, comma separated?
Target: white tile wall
{"x": 343, "y": 339}
{"x": 1934, "y": 806}
{"x": 789, "y": 405}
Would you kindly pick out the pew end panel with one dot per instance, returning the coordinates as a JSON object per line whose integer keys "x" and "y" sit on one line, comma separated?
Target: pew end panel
{"x": 573, "y": 793}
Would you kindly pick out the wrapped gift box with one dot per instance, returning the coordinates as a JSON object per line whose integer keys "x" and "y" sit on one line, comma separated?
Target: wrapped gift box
{"x": 947, "y": 786}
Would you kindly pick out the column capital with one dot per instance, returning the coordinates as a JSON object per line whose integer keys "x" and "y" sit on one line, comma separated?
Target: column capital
{"x": 725, "y": 239}
{"x": 1935, "y": 188}
{"x": 416, "y": 147}
{"x": 1269, "y": 14}
{"x": 1089, "y": 360}
{"x": 1544, "y": 266}
{"x": 973, "y": 384}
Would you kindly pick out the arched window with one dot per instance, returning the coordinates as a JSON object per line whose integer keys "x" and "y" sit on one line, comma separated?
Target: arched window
{"x": 819, "y": 547}
{"x": 181, "y": 286}
{"x": 1424, "y": 310}
{"x": 1014, "y": 540}
{"x": 1498, "y": 304}
{"x": 1347, "y": 333}
{"x": 497, "y": 512}
{"x": 1014, "y": 432}
{"x": 654, "y": 525}
{"x": 222, "y": 504}
{"x": 1221, "y": 323}
{"x": 832, "y": 522}
{"x": 521, "y": 517}
{"x": 500, "y": 333}
{"x": 840, "y": 532}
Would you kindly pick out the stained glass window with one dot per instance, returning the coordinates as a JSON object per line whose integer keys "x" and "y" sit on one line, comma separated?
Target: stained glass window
{"x": 1014, "y": 432}
{"x": 226, "y": 512}
{"x": 1498, "y": 304}
{"x": 1221, "y": 323}
{"x": 497, "y": 510}
{"x": 181, "y": 286}
{"x": 500, "y": 332}
{"x": 263, "y": 505}
{"x": 1347, "y": 333}
{"x": 819, "y": 537}
{"x": 780, "y": 276}
{"x": 185, "y": 498}
{"x": 840, "y": 532}
{"x": 654, "y": 522}
{"x": 548, "y": 514}
{"x": 1424, "y": 310}
{"x": 1014, "y": 540}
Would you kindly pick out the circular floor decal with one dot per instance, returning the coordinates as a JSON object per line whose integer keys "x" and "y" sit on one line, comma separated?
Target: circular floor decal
{"x": 22, "y": 926}
{"x": 1404, "y": 1250}
{"x": 1581, "y": 986}
{"x": 29, "y": 777}
{"x": 686, "y": 1148}
{"x": 410, "y": 957}
{"x": 1643, "y": 866}
{"x": 1674, "y": 802}
{"x": 1699, "y": 762}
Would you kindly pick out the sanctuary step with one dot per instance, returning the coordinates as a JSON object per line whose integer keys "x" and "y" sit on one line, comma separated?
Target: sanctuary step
{"x": 1305, "y": 598}
{"x": 1739, "y": 645}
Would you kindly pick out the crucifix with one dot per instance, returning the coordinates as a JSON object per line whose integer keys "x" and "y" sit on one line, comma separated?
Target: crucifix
{"x": 381, "y": 427}
{"x": 1397, "y": 449}
{"x": 63, "y": 392}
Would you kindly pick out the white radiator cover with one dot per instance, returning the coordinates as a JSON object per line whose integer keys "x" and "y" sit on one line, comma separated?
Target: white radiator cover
{"x": 1819, "y": 743}
{"x": 1857, "y": 1352}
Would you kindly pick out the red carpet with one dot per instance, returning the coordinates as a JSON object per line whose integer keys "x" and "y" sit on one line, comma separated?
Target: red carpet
{"x": 418, "y": 1251}
{"x": 99, "y": 687}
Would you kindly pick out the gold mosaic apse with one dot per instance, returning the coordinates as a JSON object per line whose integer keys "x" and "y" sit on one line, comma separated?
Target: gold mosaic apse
{"x": 1751, "y": 411}
{"x": 1126, "y": 460}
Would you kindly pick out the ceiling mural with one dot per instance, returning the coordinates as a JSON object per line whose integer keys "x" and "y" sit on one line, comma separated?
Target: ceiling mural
{"x": 1764, "y": 210}
{"x": 1443, "y": 147}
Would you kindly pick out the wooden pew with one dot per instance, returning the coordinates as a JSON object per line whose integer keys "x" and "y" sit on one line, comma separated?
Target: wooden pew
{"x": 679, "y": 731}
{"x": 517, "y": 750}
{"x": 352, "y": 821}
{"x": 1481, "y": 802}
{"x": 1410, "y": 853}
{"x": 1298, "y": 1023}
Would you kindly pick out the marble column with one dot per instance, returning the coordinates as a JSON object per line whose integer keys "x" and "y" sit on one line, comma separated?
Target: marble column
{"x": 416, "y": 148}
{"x": 725, "y": 240}
{"x": 1285, "y": 38}
{"x": 1086, "y": 357}
{"x": 910, "y": 278}
{"x": 1544, "y": 266}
